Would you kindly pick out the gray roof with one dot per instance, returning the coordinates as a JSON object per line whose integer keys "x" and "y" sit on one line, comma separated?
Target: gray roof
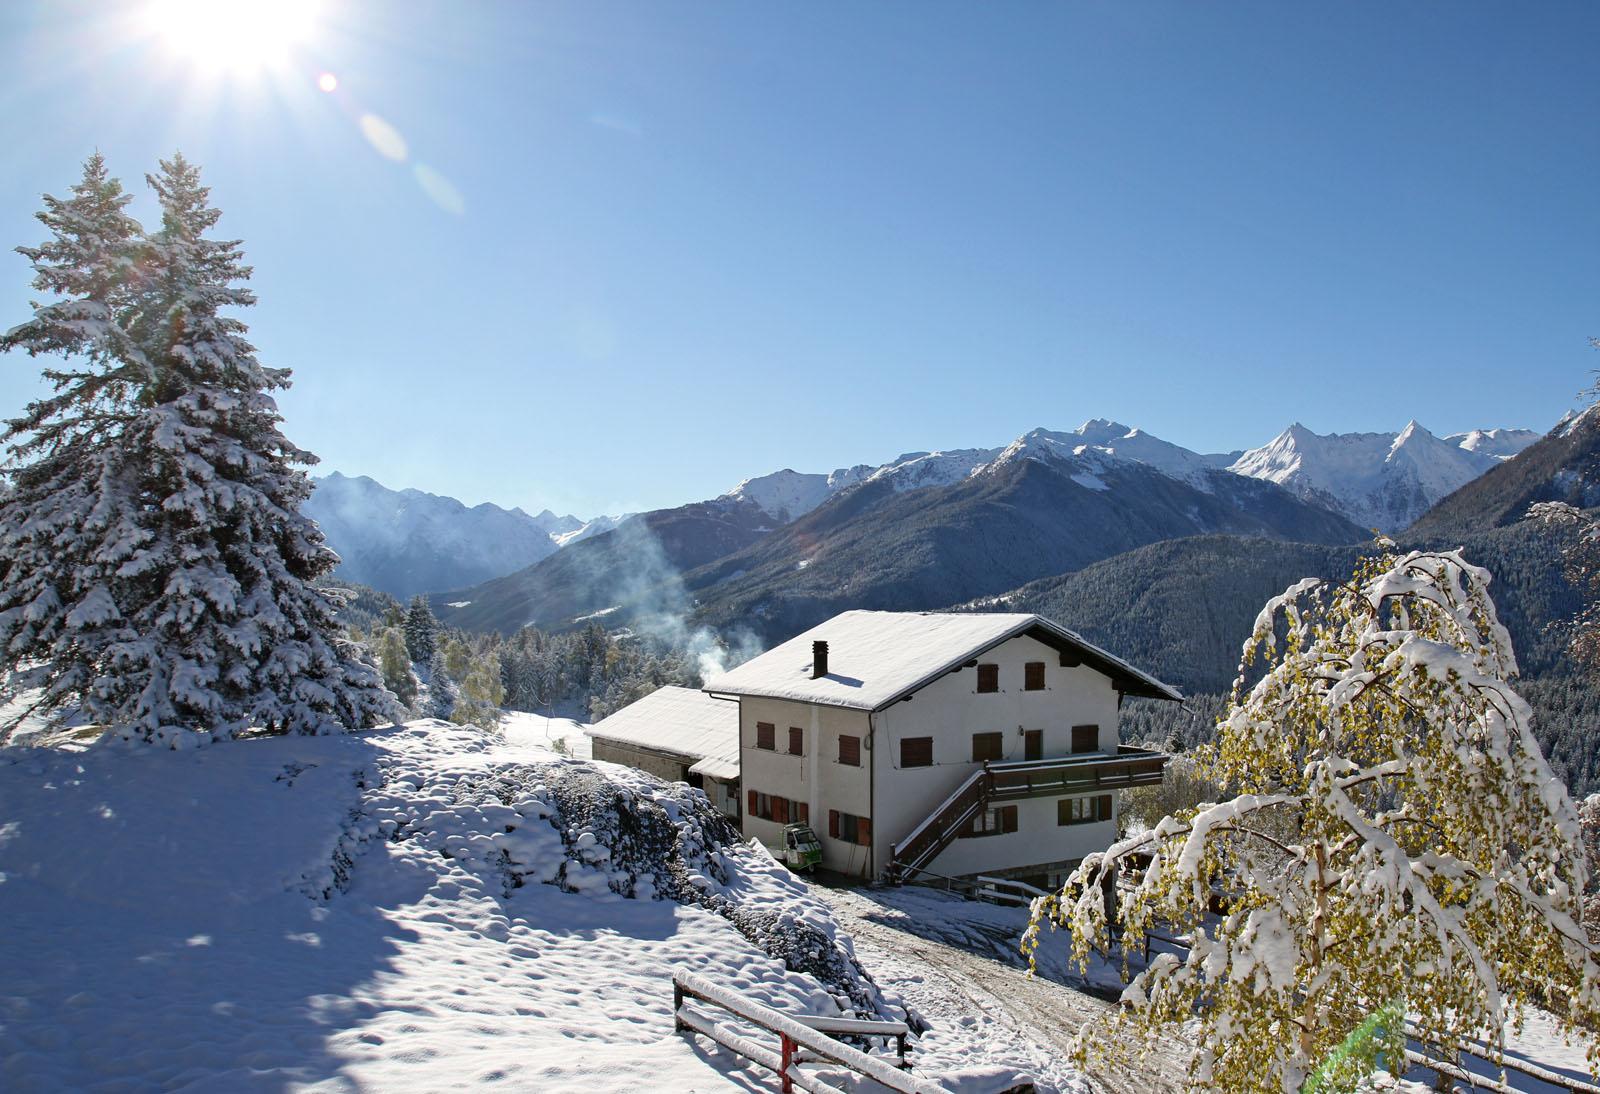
{"x": 877, "y": 658}
{"x": 682, "y": 722}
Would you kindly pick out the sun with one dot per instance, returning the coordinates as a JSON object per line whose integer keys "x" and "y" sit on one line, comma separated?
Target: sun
{"x": 233, "y": 35}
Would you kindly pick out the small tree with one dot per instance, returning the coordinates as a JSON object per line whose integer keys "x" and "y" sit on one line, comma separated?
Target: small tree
{"x": 394, "y": 662}
{"x": 478, "y": 702}
{"x": 1396, "y": 833}
{"x": 422, "y": 630}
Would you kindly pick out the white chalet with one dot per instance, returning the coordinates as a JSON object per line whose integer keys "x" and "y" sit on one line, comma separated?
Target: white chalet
{"x": 938, "y": 744}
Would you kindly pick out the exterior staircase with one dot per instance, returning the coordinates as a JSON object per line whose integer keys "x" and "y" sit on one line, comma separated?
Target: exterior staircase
{"x": 1013, "y": 780}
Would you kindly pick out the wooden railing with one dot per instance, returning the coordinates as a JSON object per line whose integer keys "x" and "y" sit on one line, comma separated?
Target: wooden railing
{"x": 800, "y": 1040}
{"x": 1016, "y": 779}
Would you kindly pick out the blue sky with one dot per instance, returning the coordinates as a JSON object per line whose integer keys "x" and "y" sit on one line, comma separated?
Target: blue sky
{"x": 670, "y": 245}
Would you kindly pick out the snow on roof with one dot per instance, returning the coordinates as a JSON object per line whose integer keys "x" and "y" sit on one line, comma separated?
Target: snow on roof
{"x": 875, "y": 658}
{"x": 682, "y": 721}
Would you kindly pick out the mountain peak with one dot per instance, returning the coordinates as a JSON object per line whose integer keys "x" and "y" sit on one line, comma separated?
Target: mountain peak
{"x": 1101, "y": 430}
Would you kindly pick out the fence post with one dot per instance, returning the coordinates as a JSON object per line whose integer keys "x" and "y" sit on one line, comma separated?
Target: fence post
{"x": 677, "y": 1005}
{"x": 788, "y": 1062}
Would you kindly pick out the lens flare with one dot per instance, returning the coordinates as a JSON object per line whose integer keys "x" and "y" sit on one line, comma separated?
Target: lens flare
{"x": 328, "y": 82}
{"x": 384, "y": 137}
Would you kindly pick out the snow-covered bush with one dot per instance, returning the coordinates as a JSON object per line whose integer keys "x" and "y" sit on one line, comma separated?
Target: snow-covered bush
{"x": 1396, "y": 835}
{"x": 593, "y": 828}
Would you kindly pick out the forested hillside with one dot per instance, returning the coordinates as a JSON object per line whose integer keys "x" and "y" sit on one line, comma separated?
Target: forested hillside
{"x": 1182, "y": 609}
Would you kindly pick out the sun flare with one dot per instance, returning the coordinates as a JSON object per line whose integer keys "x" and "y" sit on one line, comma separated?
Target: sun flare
{"x": 233, "y": 35}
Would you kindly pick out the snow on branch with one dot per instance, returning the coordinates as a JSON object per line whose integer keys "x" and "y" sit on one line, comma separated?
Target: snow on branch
{"x": 1393, "y": 821}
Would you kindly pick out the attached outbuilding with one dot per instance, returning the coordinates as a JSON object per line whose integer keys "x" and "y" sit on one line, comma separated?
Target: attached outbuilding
{"x": 679, "y": 734}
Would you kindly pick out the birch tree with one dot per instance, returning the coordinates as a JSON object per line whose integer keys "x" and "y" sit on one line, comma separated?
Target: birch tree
{"x": 1395, "y": 839}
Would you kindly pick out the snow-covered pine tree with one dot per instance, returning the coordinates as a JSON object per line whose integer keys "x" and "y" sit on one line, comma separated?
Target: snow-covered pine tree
{"x": 421, "y": 630}
{"x": 1396, "y": 838}
{"x": 182, "y": 609}
{"x": 60, "y": 482}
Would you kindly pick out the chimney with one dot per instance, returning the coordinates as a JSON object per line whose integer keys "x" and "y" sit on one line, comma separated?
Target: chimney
{"x": 819, "y": 660}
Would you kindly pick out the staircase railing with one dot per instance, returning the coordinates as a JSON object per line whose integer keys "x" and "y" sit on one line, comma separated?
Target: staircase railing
{"x": 1015, "y": 779}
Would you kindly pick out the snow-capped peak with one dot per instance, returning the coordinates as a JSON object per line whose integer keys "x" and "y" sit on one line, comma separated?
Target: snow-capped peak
{"x": 1378, "y": 480}
{"x": 1100, "y": 441}
{"x": 1500, "y": 443}
{"x": 785, "y": 495}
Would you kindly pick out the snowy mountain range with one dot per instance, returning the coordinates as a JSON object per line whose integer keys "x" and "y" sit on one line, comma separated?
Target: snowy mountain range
{"x": 406, "y": 541}
{"x": 1378, "y": 480}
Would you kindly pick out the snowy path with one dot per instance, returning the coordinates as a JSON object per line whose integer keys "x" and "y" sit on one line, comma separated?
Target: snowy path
{"x": 981, "y": 996}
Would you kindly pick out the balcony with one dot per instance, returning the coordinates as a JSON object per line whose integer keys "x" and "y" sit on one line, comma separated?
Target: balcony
{"x": 1080, "y": 773}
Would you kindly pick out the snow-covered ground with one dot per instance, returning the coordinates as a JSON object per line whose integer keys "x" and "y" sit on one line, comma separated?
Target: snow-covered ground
{"x": 375, "y": 912}
{"x": 563, "y": 735}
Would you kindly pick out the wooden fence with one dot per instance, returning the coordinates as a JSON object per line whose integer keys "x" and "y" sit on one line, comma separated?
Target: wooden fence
{"x": 801, "y": 1039}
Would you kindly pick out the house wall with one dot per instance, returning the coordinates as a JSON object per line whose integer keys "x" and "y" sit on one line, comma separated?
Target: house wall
{"x": 816, "y": 777}
{"x": 672, "y": 767}
{"x": 1038, "y": 841}
{"x": 951, "y": 710}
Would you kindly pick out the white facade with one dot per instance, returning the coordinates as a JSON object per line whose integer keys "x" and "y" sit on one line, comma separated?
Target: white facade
{"x": 951, "y": 710}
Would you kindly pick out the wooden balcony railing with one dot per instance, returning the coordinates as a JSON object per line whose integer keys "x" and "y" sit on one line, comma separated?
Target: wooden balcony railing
{"x": 1012, "y": 780}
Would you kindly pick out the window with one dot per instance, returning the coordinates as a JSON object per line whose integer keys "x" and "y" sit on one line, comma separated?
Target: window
{"x": 996, "y": 820}
{"x": 765, "y": 736}
{"x": 797, "y": 741}
{"x": 1086, "y": 738}
{"x": 988, "y": 677}
{"x": 1033, "y": 744}
{"x": 916, "y": 752}
{"x": 778, "y": 810}
{"x": 850, "y": 750}
{"x": 850, "y": 829}
{"x": 1033, "y": 676}
{"x": 1083, "y": 810}
{"x": 986, "y": 746}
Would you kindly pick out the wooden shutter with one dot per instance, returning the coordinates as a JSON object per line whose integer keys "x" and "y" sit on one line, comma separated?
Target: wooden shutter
{"x": 1103, "y": 807}
{"x": 752, "y": 803}
{"x": 1063, "y": 811}
{"x": 850, "y": 750}
{"x": 863, "y": 831}
{"x": 833, "y": 823}
{"x": 804, "y": 809}
{"x": 985, "y": 746}
{"x": 780, "y": 810}
{"x": 916, "y": 752}
{"x": 1033, "y": 744}
{"x": 1008, "y": 818}
{"x": 1085, "y": 738}
{"x": 1033, "y": 676}
{"x": 765, "y": 734}
{"x": 797, "y": 739}
{"x": 988, "y": 677}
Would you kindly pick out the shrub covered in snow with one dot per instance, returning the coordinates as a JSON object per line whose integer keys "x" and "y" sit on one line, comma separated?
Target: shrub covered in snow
{"x": 596, "y": 828}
